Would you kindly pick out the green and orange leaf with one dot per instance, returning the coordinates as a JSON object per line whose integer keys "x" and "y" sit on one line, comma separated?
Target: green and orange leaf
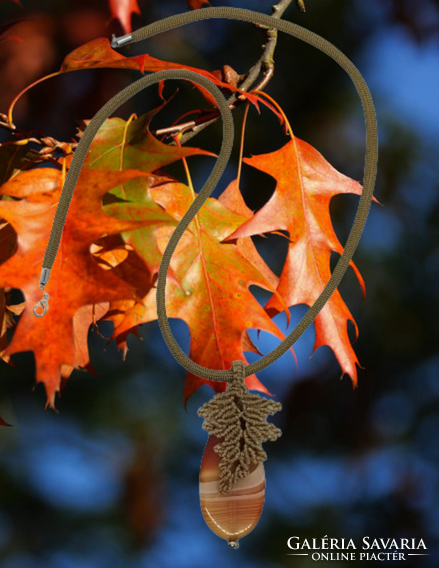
{"x": 204, "y": 293}
{"x": 121, "y": 144}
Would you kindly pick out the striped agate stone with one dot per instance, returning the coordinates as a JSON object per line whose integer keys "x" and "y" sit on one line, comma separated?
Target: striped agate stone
{"x": 236, "y": 513}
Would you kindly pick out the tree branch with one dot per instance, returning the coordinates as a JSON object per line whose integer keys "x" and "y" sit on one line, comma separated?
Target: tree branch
{"x": 265, "y": 62}
{"x": 190, "y": 128}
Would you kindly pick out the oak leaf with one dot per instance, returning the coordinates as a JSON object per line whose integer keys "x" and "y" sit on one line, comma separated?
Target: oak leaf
{"x": 76, "y": 279}
{"x": 85, "y": 317}
{"x": 211, "y": 284}
{"x": 98, "y": 53}
{"x": 120, "y": 145}
{"x": 306, "y": 183}
{"x": 122, "y": 10}
{"x": 129, "y": 144}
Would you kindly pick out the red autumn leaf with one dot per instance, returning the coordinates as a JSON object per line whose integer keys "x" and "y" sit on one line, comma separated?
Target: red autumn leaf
{"x": 306, "y": 183}
{"x": 232, "y": 199}
{"x": 98, "y": 53}
{"x": 197, "y": 4}
{"x": 119, "y": 145}
{"x": 76, "y": 279}
{"x": 122, "y": 10}
{"x": 206, "y": 293}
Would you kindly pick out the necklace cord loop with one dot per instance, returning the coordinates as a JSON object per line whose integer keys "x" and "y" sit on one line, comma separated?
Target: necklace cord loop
{"x": 370, "y": 170}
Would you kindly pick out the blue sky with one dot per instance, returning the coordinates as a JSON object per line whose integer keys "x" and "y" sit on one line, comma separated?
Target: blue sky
{"x": 405, "y": 77}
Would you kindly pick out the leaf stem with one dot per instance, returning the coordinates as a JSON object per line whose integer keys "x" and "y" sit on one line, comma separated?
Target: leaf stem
{"x": 11, "y": 107}
{"x": 279, "y": 108}
{"x": 191, "y": 187}
{"x": 241, "y": 148}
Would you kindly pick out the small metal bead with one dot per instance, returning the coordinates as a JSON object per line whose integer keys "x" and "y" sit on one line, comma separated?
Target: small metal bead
{"x": 233, "y": 544}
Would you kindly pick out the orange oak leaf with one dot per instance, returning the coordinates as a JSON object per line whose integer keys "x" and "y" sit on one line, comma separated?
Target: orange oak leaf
{"x": 212, "y": 293}
{"x": 83, "y": 318}
{"x": 118, "y": 145}
{"x": 233, "y": 200}
{"x": 76, "y": 279}
{"x": 306, "y": 183}
{"x": 122, "y": 10}
{"x": 8, "y": 245}
{"x": 133, "y": 270}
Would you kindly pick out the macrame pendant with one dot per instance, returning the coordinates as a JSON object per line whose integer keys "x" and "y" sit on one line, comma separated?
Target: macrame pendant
{"x": 232, "y": 477}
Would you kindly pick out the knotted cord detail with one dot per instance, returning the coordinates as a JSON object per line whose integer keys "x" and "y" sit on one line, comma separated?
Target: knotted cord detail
{"x": 238, "y": 418}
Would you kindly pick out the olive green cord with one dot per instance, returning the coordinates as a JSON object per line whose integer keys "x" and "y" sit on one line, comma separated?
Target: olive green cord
{"x": 89, "y": 133}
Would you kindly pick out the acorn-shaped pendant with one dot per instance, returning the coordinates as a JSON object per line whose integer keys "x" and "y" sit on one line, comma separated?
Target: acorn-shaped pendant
{"x": 236, "y": 513}
{"x": 232, "y": 476}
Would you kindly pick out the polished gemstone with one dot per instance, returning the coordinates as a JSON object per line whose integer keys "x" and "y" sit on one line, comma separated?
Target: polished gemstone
{"x": 236, "y": 513}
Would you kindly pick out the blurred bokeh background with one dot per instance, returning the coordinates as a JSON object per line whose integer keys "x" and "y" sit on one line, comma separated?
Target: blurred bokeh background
{"x": 112, "y": 479}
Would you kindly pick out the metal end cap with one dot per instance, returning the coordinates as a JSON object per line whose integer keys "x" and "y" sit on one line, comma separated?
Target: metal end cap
{"x": 120, "y": 41}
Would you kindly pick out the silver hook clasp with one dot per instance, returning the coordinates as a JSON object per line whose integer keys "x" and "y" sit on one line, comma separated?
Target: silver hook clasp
{"x": 44, "y": 304}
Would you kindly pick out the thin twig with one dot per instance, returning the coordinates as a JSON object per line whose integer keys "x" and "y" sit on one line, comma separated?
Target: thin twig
{"x": 6, "y": 125}
{"x": 21, "y": 138}
{"x": 180, "y": 128}
{"x": 267, "y": 58}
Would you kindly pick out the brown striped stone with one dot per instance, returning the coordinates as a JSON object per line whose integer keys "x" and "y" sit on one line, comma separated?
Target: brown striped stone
{"x": 236, "y": 513}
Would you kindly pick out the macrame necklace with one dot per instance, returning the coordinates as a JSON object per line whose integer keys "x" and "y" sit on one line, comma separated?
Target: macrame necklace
{"x": 232, "y": 478}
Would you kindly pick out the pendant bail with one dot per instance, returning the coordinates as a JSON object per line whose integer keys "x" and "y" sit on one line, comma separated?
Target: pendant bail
{"x": 237, "y": 384}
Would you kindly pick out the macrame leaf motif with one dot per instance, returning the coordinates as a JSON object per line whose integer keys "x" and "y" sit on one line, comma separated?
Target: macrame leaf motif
{"x": 238, "y": 418}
